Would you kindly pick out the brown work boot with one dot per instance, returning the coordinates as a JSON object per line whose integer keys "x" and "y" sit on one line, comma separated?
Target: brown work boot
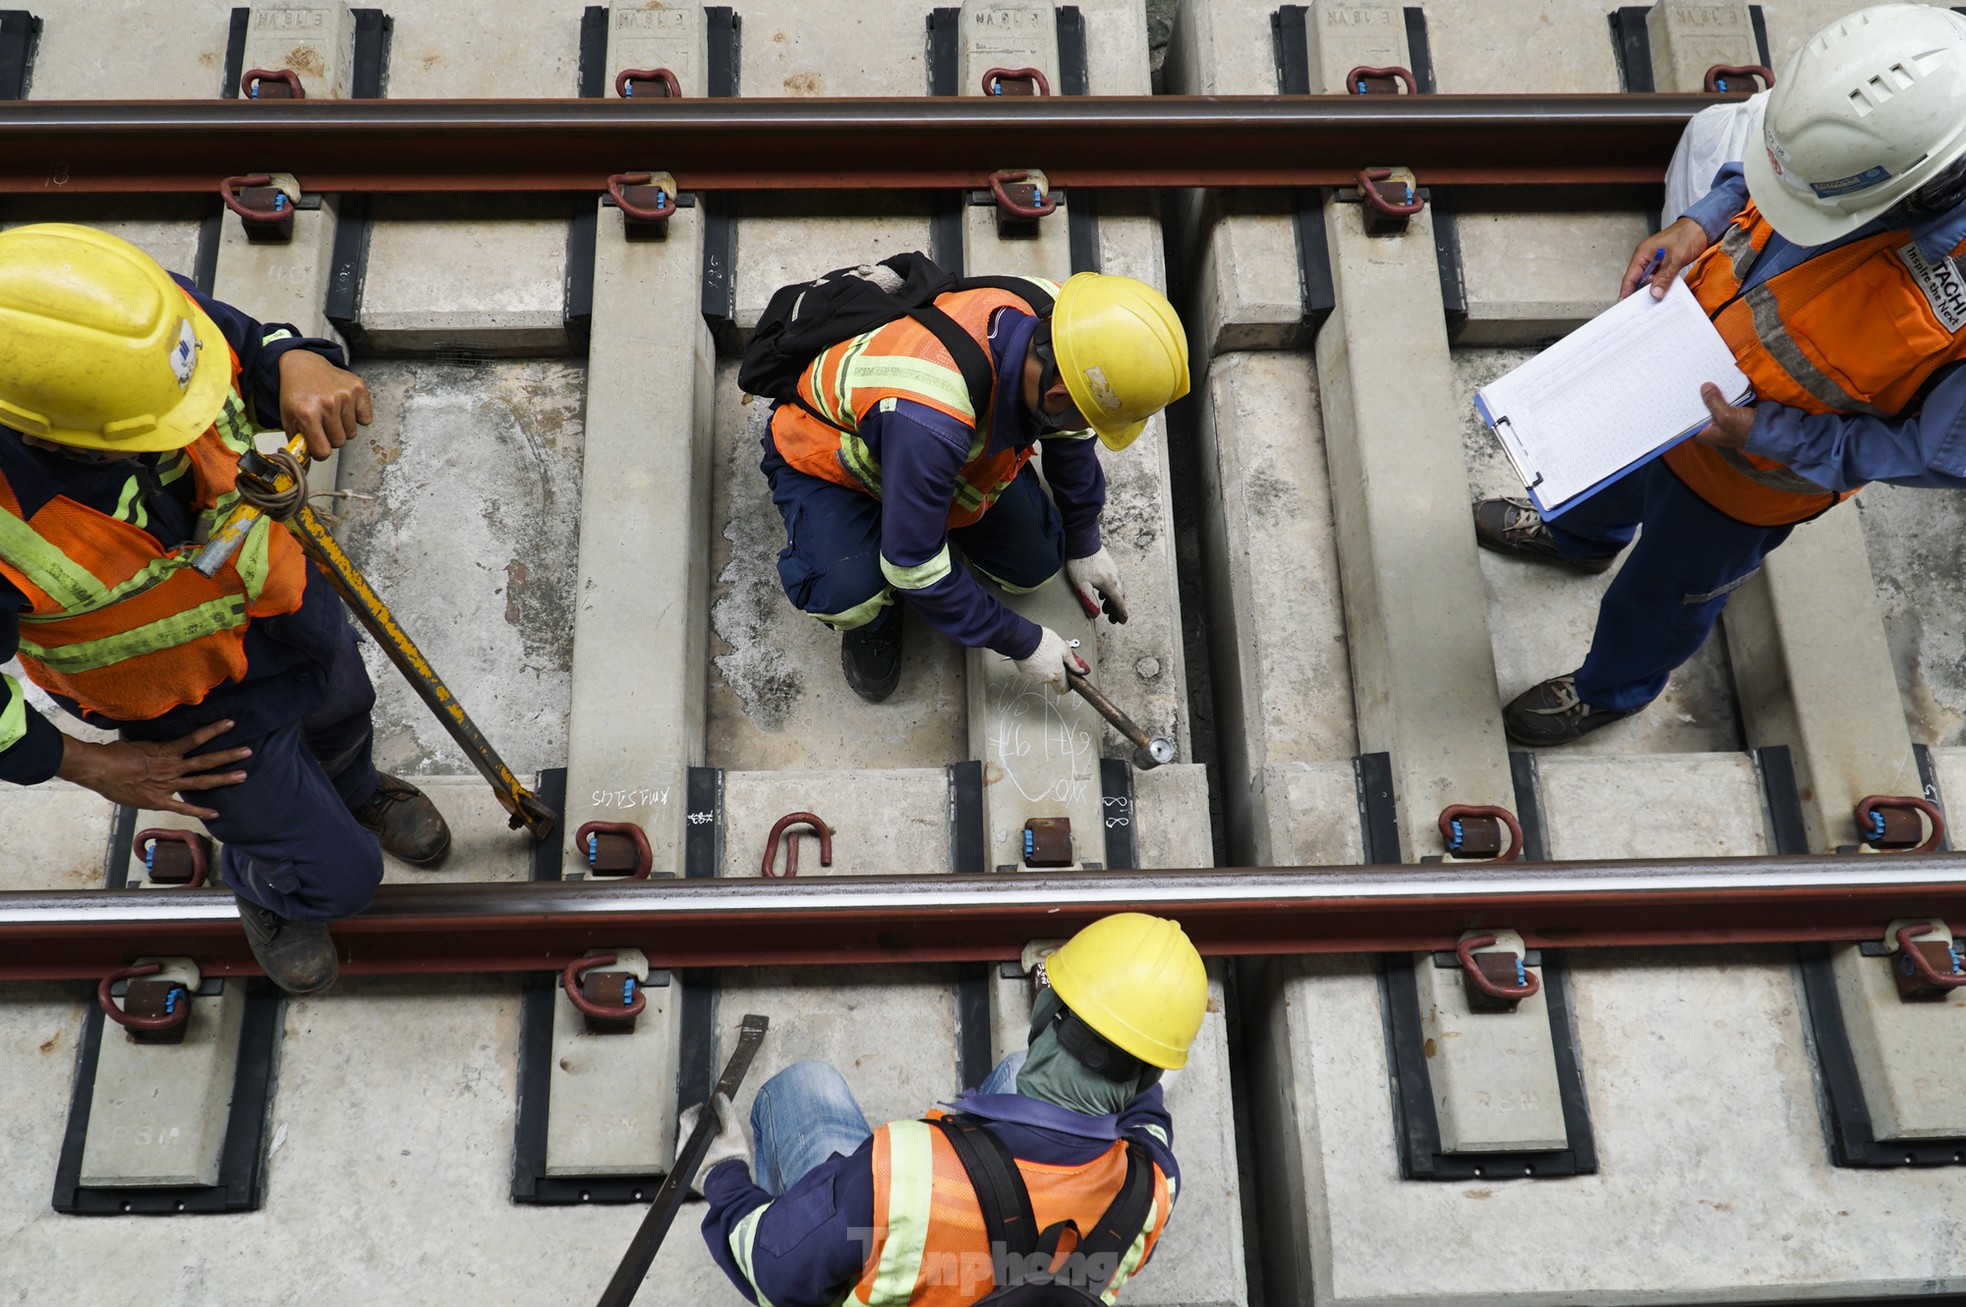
{"x": 1513, "y": 526}
{"x": 407, "y": 823}
{"x": 297, "y": 956}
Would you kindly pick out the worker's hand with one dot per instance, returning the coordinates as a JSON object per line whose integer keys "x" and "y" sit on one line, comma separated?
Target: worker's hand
{"x": 145, "y": 775}
{"x": 1098, "y": 573}
{"x": 732, "y": 1142}
{"x": 1682, "y": 242}
{"x": 321, "y": 401}
{"x": 1049, "y": 660}
{"x": 1731, "y": 422}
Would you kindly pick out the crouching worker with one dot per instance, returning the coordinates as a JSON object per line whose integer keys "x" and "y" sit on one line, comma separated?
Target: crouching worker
{"x": 1057, "y": 1174}
{"x": 126, "y": 400}
{"x": 891, "y": 446}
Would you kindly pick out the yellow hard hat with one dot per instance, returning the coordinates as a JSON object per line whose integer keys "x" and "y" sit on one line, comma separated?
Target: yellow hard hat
{"x": 1121, "y": 353}
{"x": 1138, "y": 981}
{"x": 99, "y": 348}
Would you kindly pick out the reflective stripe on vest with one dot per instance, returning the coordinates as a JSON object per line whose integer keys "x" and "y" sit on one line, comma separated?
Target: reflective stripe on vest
{"x": 13, "y": 717}
{"x": 929, "y": 1245}
{"x": 876, "y": 370}
{"x": 130, "y": 634}
{"x": 1852, "y": 329}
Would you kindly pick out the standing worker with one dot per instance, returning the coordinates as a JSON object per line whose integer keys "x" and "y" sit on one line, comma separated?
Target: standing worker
{"x": 241, "y": 700}
{"x": 1061, "y": 1163}
{"x": 901, "y": 467}
{"x": 1831, "y": 262}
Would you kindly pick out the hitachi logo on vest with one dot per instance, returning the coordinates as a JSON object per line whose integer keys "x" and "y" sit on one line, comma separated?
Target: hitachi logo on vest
{"x": 1944, "y": 286}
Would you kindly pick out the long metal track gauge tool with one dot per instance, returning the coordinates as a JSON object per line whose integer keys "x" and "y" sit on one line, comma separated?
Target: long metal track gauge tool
{"x": 374, "y": 615}
{"x": 640, "y": 1256}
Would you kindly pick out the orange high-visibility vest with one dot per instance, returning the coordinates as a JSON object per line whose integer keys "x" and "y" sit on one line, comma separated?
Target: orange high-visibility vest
{"x": 902, "y": 360}
{"x": 929, "y": 1247}
{"x": 1856, "y": 329}
{"x": 126, "y": 628}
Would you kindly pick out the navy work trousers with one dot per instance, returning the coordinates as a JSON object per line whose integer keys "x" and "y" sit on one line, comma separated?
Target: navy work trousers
{"x": 1667, "y": 596}
{"x": 831, "y": 562}
{"x": 292, "y": 843}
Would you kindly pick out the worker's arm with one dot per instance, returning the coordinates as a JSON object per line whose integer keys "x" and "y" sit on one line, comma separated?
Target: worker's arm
{"x": 1662, "y": 256}
{"x": 1078, "y": 487}
{"x": 1146, "y": 1119}
{"x": 805, "y": 1248}
{"x": 300, "y": 384}
{"x": 30, "y": 746}
{"x": 1841, "y": 451}
{"x": 922, "y": 451}
{"x": 1725, "y": 199}
{"x": 143, "y": 775}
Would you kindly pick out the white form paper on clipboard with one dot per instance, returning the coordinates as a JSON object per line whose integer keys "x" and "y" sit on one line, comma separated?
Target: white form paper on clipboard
{"x": 1620, "y": 389}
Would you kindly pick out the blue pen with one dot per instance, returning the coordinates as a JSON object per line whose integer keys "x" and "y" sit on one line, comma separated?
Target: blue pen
{"x": 1658, "y": 257}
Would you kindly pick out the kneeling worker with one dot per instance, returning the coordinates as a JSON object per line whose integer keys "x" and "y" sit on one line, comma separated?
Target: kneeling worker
{"x": 127, "y": 399}
{"x": 1059, "y": 1165}
{"x": 903, "y": 467}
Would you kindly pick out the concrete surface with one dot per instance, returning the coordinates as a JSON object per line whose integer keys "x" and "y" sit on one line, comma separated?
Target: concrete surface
{"x": 1914, "y": 538}
{"x": 1493, "y": 1074}
{"x": 1906, "y": 1053}
{"x": 469, "y": 533}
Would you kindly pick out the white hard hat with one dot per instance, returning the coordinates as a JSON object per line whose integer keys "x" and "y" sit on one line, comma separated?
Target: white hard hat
{"x": 1871, "y": 108}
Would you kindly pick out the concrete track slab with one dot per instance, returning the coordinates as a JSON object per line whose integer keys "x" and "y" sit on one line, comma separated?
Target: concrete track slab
{"x": 86, "y": 52}
{"x": 453, "y": 51}
{"x": 1701, "y": 805}
{"x": 467, "y": 273}
{"x": 469, "y": 534}
{"x": 1917, "y": 545}
{"x": 1705, "y": 1032}
{"x": 57, "y": 836}
{"x": 164, "y": 227}
{"x": 777, "y": 698}
{"x": 884, "y": 823}
{"x": 1541, "y": 617}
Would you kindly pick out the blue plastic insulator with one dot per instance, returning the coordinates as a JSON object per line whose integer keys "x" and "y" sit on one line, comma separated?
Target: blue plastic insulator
{"x": 1874, "y": 826}
{"x": 150, "y": 856}
{"x": 1956, "y": 966}
{"x": 170, "y": 1000}
{"x": 627, "y": 90}
{"x": 1454, "y": 842}
{"x": 1030, "y": 843}
{"x": 628, "y": 992}
{"x": 1521, "y": 973}
{"x": 593, "y": 849}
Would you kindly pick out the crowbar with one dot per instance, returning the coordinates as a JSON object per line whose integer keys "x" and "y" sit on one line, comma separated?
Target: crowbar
{"x": 276, "y": 479}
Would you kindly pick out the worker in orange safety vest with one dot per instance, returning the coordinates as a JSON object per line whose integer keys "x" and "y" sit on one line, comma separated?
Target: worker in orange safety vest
{"x": 239, "y": 699}
{"x": 1050, "y": 1182}
{"x": 1833, "y": 262}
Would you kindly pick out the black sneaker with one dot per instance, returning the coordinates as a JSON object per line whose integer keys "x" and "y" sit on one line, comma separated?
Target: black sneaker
{"x": 297, "y": 956}
{"x": 407, "y": 823}
{"x": 1551, "y": 713}
{"x": 1513, "y": 526}
{"x": 871, "y": 658}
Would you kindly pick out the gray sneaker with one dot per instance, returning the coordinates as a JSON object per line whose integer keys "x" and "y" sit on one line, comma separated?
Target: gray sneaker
{"x": 297, "y": 956}
{"x": 1551, "y": 713}
{"x": 1513, "y": 526}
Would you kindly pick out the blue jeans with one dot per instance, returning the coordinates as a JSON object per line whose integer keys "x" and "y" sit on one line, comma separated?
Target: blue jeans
{"x": 1664, "y": 601}
{"x": 806, "y": 1114}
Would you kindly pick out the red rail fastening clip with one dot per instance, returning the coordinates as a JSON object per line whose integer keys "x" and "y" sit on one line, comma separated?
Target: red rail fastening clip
{"x": 665, "y": 201}
{"x": 259, "y": 84}
{"x": 1914, "y": 964}
{"x": 1044, "y": 206}
{"x": 616, "y": 848}
{"x": 1718, "y": 74}
{"x": 571, "y": 982}
{"x": 173, "y": 857}
{"x": 1465, "y": 950}
{"x": 173, "y": 1000}
{"x": 1889, "y": 823}
{"x": 661, "y": 82}
{"x": 1475, "y": 828}
{"x": 1379, "y": 81}
{"x": 1016, "y": 81}
{"x": 781, "y": 827}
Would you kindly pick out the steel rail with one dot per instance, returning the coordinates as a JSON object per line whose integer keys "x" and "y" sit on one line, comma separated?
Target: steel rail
{"x": 56, "y": 934}
{"x": 187, "y": 146}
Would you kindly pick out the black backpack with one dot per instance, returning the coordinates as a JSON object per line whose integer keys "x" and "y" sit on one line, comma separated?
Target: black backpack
{"x": 1013, "y": 1232}
{"x": 808, "y": 317}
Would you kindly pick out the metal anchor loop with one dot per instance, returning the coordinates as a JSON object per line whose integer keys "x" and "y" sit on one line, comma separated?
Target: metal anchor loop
{"x": 781, "y": 827}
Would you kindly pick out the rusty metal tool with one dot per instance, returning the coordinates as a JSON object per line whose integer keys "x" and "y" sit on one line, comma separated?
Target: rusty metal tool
{"x": 1149, "y": 752}
{"x": 641, "y": 1252}
{"x": 280, "y": 484}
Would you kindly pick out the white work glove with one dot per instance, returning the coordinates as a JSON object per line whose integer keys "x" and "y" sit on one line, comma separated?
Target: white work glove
{"x": 732, "y": 1142}
{"x": 1098, "y": 573}
{"x": 1049, "y": 660}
